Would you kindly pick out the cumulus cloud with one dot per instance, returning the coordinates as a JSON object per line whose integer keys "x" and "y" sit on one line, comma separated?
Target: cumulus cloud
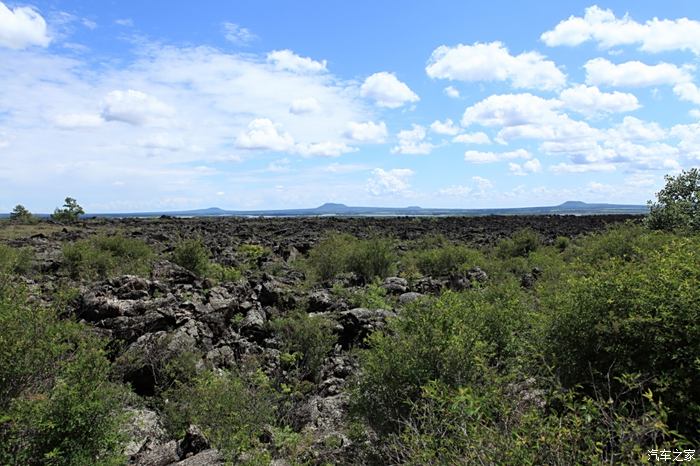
{"x": 634, "y": 129}
{"x": 367, "y": 132}
{"x": 482, "y": 185}
{"x": 600, "y": 71}
{"x": 237, "y": 34}
{"x": 135, "y": 107}
{"x": 526, "y": 168}
{"x": 22, "y": 27}
{"x": 323, "y": 149}
{"x": 394, "y": 181}
{"x": 412, "y": 141}
{"x": 446, "y": 127}
{"x": 493, "y": 62}
{"x": 263, "y": 134}
{"x": 478, "y": 137}
{"x": 387, "y": 91}
{"x": 77, "y": 120}
{"x": 302, "y": 106}
{"x": 452, "y": 92}
{"x": 603, "y": 27}
{"x": 589, "y": 100}
{"x": 289, "y": 61}
{"x": 474, "y": 156}
{"x": 526, "y": 116}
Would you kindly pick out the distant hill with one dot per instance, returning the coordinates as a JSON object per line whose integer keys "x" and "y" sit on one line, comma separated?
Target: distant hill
{"x": 566, "y": 208}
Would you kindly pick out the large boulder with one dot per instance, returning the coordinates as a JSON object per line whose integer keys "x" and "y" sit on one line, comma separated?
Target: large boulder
{"x": 358, "y": 323}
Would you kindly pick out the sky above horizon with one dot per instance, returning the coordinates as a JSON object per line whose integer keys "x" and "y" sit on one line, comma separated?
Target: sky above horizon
{"x": 145, "y": 106}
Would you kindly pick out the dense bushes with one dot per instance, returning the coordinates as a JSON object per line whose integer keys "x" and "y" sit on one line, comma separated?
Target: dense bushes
{"x": 447, "y": 340}
{"x": 231, "y": 407}
{"x": 636, "y": 314}
{"x": 443, "y": 259}
{"x": 520, "y": 244}
{"x": 105, "y": 256}
{"x": 193, "y": 255}
{"x": 57, "y": 405}
{"x": 339, "y": 253}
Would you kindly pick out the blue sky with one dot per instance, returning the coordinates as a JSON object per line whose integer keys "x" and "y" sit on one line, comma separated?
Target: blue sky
{"x": 137, "y": 106}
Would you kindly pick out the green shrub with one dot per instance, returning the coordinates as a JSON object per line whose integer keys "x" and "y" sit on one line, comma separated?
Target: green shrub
{"x": 627, "y": 242}
{"x": 490, "y": 423}
{"x": 57, "y": 405}
{"x": 637, "y": 317}
{"x": 193, "y": 255}
{"x": 231, "y": 408}
{"x": 15, "y": 260}
{"x": 444, "y": 260}
{"x": 306, "y": 340}
{"x": 70, "y": 212}
{"x": 222, "y": 273}
{"x": 447, "y": 339}
{"x": 20, "y": 214}
{"x": 677, "y": 204}
{"x": 371, "y": 296}
{"x": 105, "y": 256}
{"x": 338, "y": 253}
{"x": 520, "y": 244}
{"x": 252, "y": 254}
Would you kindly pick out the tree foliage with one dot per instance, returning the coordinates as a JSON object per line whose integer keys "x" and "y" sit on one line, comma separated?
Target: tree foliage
{"x": 678, "y": 203}
{"x": 20, "y": 214}
{"x": 70, "y": 212}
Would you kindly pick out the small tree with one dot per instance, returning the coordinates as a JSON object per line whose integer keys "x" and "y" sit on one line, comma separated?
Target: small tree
{"x": 70, "y": 212}
{"x": 20, "y": 214}
{"x": 678, "y": 203}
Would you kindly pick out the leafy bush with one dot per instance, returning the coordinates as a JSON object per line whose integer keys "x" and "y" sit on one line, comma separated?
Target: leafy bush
{"x": 70, "y": 212}
{"x": 338, "y": 253}
{"x": 193, "y": 255}
{"x": 57, "y": 405}
{"x": 627, "y": 242}
{"x": 444, "y": 260}
{"x": 15, "y": 260}
{"x": 371, "y": 296}
{"x": 677, "y": 204}
{"x": 520, "y": 244}
{"x": 104, "y": 256}
{"x": 223, "y": 273}
{"x": 637, "y": 317}
{"x": 231, "y": 408}
{"x": 252, "y": 254}
{"x": 447, "y": 339}
{"x": 306, "y": 340}
{"x": 20, "y": 214}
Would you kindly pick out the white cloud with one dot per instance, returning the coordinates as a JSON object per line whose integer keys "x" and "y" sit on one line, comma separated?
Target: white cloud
{"x": 482, "y": 183}
{"x": 135, "y": 107}
{"x": 582, "y": 168}
{"x": 125, "y": 22}
{"x": 526, "y": 116}
{"x": 600, "y": 71}
{"x": 77, "y": 120}
{"x": 478, "y": 137}
{"x": 302, "y": 106}
{"x": 22, "y": 27}
{"x": 634, "y": 129}
{"x": 341, "y": 168}
{"x": 688, "y": 92}
{"x": 456, "y": 191}
{"x": 394, "y": 181}
{"x": 279, "y": 166}
{"x": 446, "y": 127}
{"x": 289, "y": 61}
{"x": 162, "y": 141}
{"x": 451, "y": 92}
{"x": 367, "y": 132}
{"x": 589, "y": 100}
{"x": 531, "y": 166}
{"x": 237, "y": 34}
{"x": 387, "y": 91}
{"x": 602, "y": 26}
{"x": 493, "y": 62}
{"x": 474, "y": 156}
{"x": 263, "y": 134}
{"x": 324, "y": 149}
{"x": 412, "y": 141}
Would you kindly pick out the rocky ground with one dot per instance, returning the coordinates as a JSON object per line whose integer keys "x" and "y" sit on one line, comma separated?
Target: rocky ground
{"x": 173, "y": 310}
